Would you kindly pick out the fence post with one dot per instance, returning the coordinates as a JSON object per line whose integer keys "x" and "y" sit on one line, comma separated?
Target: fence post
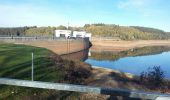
{"x": 32, "y": 73}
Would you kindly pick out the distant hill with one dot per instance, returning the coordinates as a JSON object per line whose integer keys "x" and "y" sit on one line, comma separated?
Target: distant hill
{"x": 125, "y": 32}
{"x": 149, "y": 30}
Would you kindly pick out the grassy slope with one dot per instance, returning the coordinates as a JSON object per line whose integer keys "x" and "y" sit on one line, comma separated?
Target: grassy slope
{"x": 15, "y": 62}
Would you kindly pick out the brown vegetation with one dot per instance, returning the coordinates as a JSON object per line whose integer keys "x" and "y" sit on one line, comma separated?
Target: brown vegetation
{"x": 154, "y": 79}
{"x": 75, "y": 72}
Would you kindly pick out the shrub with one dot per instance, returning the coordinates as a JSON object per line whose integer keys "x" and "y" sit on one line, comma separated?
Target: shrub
{"x": 76, "y": 73}
{"x": 154, "y": 77}
{"x": 73, "y": 72}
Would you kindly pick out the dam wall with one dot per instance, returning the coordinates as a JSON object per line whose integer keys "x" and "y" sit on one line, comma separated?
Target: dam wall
{"x": 57, "y": 45}
{"x": 77, "y": 56}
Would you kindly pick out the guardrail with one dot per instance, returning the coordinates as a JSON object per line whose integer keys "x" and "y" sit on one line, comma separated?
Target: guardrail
{"x": 37, "y": 38}
{"x": 88, "y": 89}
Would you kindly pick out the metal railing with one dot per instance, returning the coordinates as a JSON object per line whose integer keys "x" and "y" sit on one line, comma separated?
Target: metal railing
{"x": 36, "y": 38}
{"x": 87, "y": 89}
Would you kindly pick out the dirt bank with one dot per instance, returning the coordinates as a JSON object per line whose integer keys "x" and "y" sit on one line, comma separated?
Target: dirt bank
{"x": 109, "y": 78}
{"x": 103, "y": 77}
{"x": 112, "y": 45}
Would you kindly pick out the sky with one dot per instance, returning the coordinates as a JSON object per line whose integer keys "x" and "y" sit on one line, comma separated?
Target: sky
{"x": 148, "y": 13}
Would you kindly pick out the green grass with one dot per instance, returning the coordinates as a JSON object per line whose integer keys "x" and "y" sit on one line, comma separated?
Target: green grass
{"x": 15, "y": 62}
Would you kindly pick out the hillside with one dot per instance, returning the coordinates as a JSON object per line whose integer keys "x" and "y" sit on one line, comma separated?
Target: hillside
{"x": 126, "y": 33}
{"x": 149, "y": 30}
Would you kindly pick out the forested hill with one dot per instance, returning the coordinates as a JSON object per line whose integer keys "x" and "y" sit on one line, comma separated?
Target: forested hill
{"x": 14, "y": 31}
{"x": 125, "y": 32}
{"x": 149, "y": 30}
{"x": 102, "y": 30}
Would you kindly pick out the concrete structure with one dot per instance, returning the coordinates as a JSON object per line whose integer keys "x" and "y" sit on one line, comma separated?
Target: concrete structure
{"x": 58, "y": 46}
{"x": 78, "y": 56}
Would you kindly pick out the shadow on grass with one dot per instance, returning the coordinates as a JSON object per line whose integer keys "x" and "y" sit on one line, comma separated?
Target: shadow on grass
{"x": 44, "y": 70}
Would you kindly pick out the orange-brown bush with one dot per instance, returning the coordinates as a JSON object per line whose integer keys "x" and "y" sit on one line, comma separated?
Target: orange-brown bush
{"x": 74, "y": 72}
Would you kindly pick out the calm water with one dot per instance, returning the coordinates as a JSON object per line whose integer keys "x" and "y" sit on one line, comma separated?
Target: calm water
{"x": 133, "y": 61}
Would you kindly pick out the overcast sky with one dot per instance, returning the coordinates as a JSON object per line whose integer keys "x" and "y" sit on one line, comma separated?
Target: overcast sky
{"x": 149, "y": 13}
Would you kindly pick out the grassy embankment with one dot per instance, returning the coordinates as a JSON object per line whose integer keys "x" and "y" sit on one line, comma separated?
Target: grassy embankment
{"x": 15, "y": 62}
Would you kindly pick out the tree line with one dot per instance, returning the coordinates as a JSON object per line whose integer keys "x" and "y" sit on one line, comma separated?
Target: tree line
{"x": 97, "y": 30}
{"x": 15, "y": 31}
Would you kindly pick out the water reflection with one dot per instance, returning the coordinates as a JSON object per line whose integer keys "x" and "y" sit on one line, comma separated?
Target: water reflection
{"x": 133, "y": 61}
{"x": 111, "y": 55}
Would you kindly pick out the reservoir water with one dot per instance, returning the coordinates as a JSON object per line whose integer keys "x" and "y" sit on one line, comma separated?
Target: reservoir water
{"x": 132, "y": 61}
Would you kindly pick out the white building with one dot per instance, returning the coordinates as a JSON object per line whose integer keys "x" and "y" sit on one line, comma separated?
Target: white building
{"x": 75, "y": 34}
{"x": 63, "y": 33}
{"x": 81, "y": 34}
{"x": 89, "y": 35}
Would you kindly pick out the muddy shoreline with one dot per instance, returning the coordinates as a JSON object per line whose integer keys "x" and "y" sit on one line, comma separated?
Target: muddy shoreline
{"x": 117, "y": 46}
